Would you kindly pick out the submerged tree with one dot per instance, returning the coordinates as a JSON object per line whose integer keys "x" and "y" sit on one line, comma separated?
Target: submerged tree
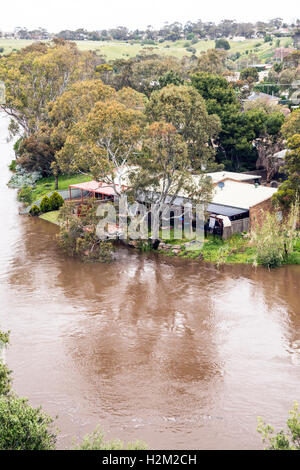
{"x": 78, "y": 233}
{"x": 96, "y": 441}
{"x": 285, "y": 439}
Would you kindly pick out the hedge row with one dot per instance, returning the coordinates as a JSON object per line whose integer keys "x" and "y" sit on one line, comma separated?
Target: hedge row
{"x": 52, "y": 203}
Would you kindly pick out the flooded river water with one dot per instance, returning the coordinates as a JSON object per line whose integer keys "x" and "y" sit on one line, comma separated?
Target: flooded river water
{"x": 178, "y": 354}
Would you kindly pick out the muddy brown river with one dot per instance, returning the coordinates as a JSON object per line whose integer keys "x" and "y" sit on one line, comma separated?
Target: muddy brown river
{"x": 179, "y": 354}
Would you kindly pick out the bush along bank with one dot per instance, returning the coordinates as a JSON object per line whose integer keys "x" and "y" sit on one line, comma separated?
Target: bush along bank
{"x": 271, "y": 244}
{"x": 47, "y": 204}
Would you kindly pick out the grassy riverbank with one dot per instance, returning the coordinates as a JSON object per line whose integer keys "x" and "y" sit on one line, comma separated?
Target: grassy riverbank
{"x": 50, "y": 217}
{"x": 235, "y": 250}
{"x": 46, "y": 185}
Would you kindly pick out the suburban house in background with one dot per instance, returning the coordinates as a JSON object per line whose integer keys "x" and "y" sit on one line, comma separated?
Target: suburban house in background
{"x": 270, "y": 98}
{"x": 282, "y": 52}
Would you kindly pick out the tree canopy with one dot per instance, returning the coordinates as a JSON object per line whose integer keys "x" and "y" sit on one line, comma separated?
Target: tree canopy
{"x": 37, "y": 75}
{"x": 184, "y": 108}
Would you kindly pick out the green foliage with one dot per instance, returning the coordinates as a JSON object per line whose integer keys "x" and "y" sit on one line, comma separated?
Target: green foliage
{"x": 23, "y": 427}
{"x": 96, "y": 441}
{"x": 78, "y": 237}
{"x": 233, "y": 250}
{"x": 51, "y": 216}
{"x": 56, "y": 201}
{"x": 25, "y": 195}
{"x": 249, "y": 73}
{"x": 46, "y": 185}
{"x": 170, "y": 77}
{"x": 274, "y": 240}
{"x": 37, "y": 75}
{"x": 17, "y": 145}
{"x": 222, "y": 44}
{"x": 45, "y": 205}
{"x": 34, "y": 210}
{"x": 12, "y": 165}
{"x": 5, "y": 379}
{"x": 4, "y": 337}
{"x": 5, "y": 373}
{"x": 267, "y": 38}
{"x": 289, "y": 191}
{"x": 235, "y": 148}
{"x": 184, "y": 108}
{"x": 282, "y": 440}
{"x": 36, "y": 153}
{"x": 291, "y": 125}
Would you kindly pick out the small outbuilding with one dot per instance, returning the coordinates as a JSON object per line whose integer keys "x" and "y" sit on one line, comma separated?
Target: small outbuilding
{"x": 241, "y": 202}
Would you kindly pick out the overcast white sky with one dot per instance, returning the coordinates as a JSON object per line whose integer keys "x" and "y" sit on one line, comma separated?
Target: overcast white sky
{"x": 56, "y": 15}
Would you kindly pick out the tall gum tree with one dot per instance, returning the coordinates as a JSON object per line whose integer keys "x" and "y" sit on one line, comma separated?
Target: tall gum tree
{"x": 37, "y": 75}
{"x": 184, "y": 108}
{"x": 162, "y": 174}
{"x": 106, "y": 140}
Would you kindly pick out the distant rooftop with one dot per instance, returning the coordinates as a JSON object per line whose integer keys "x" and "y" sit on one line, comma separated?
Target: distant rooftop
{"x": 254, "y": 96}
{"x": 221, "y": 175}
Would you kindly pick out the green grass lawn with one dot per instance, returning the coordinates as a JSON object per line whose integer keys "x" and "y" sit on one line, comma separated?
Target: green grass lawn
{"x": 46, "y": 185}
{"x": 235, "y": 250}
{"x": 120, "y": 49}
{"x": 51, "y": 216}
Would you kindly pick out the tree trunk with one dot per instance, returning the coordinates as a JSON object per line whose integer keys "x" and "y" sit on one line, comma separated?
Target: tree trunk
{"x": 56, "y": 182}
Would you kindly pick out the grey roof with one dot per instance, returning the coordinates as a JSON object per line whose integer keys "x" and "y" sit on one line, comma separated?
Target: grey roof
{"x": 255, "y": 96}
{"x": 225, "y": 210}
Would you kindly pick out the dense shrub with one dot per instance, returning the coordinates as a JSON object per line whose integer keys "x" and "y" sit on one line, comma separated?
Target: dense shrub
{"x": 56, "y": 201}
{"x": 13, "y": 165}
{"x": 78, "y": 235}
{"x": 250, "y": 73}
{"x": 25, "y": 194}
{"x": 35, "y": 210}
{"x": 45, "y": 205}
{"x": 23, "y": 427}
{"x": 288, "y": 439}
{"x": 22, "y": 178}
{"x": 5, "y": 379}
{"x": 222, "y": 44}
{"x": 96, "y": 441}
{"x": 274, "y": 240}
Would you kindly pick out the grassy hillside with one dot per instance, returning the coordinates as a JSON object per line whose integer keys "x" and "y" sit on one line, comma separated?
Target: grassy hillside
{"x": 115, "y": 50}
